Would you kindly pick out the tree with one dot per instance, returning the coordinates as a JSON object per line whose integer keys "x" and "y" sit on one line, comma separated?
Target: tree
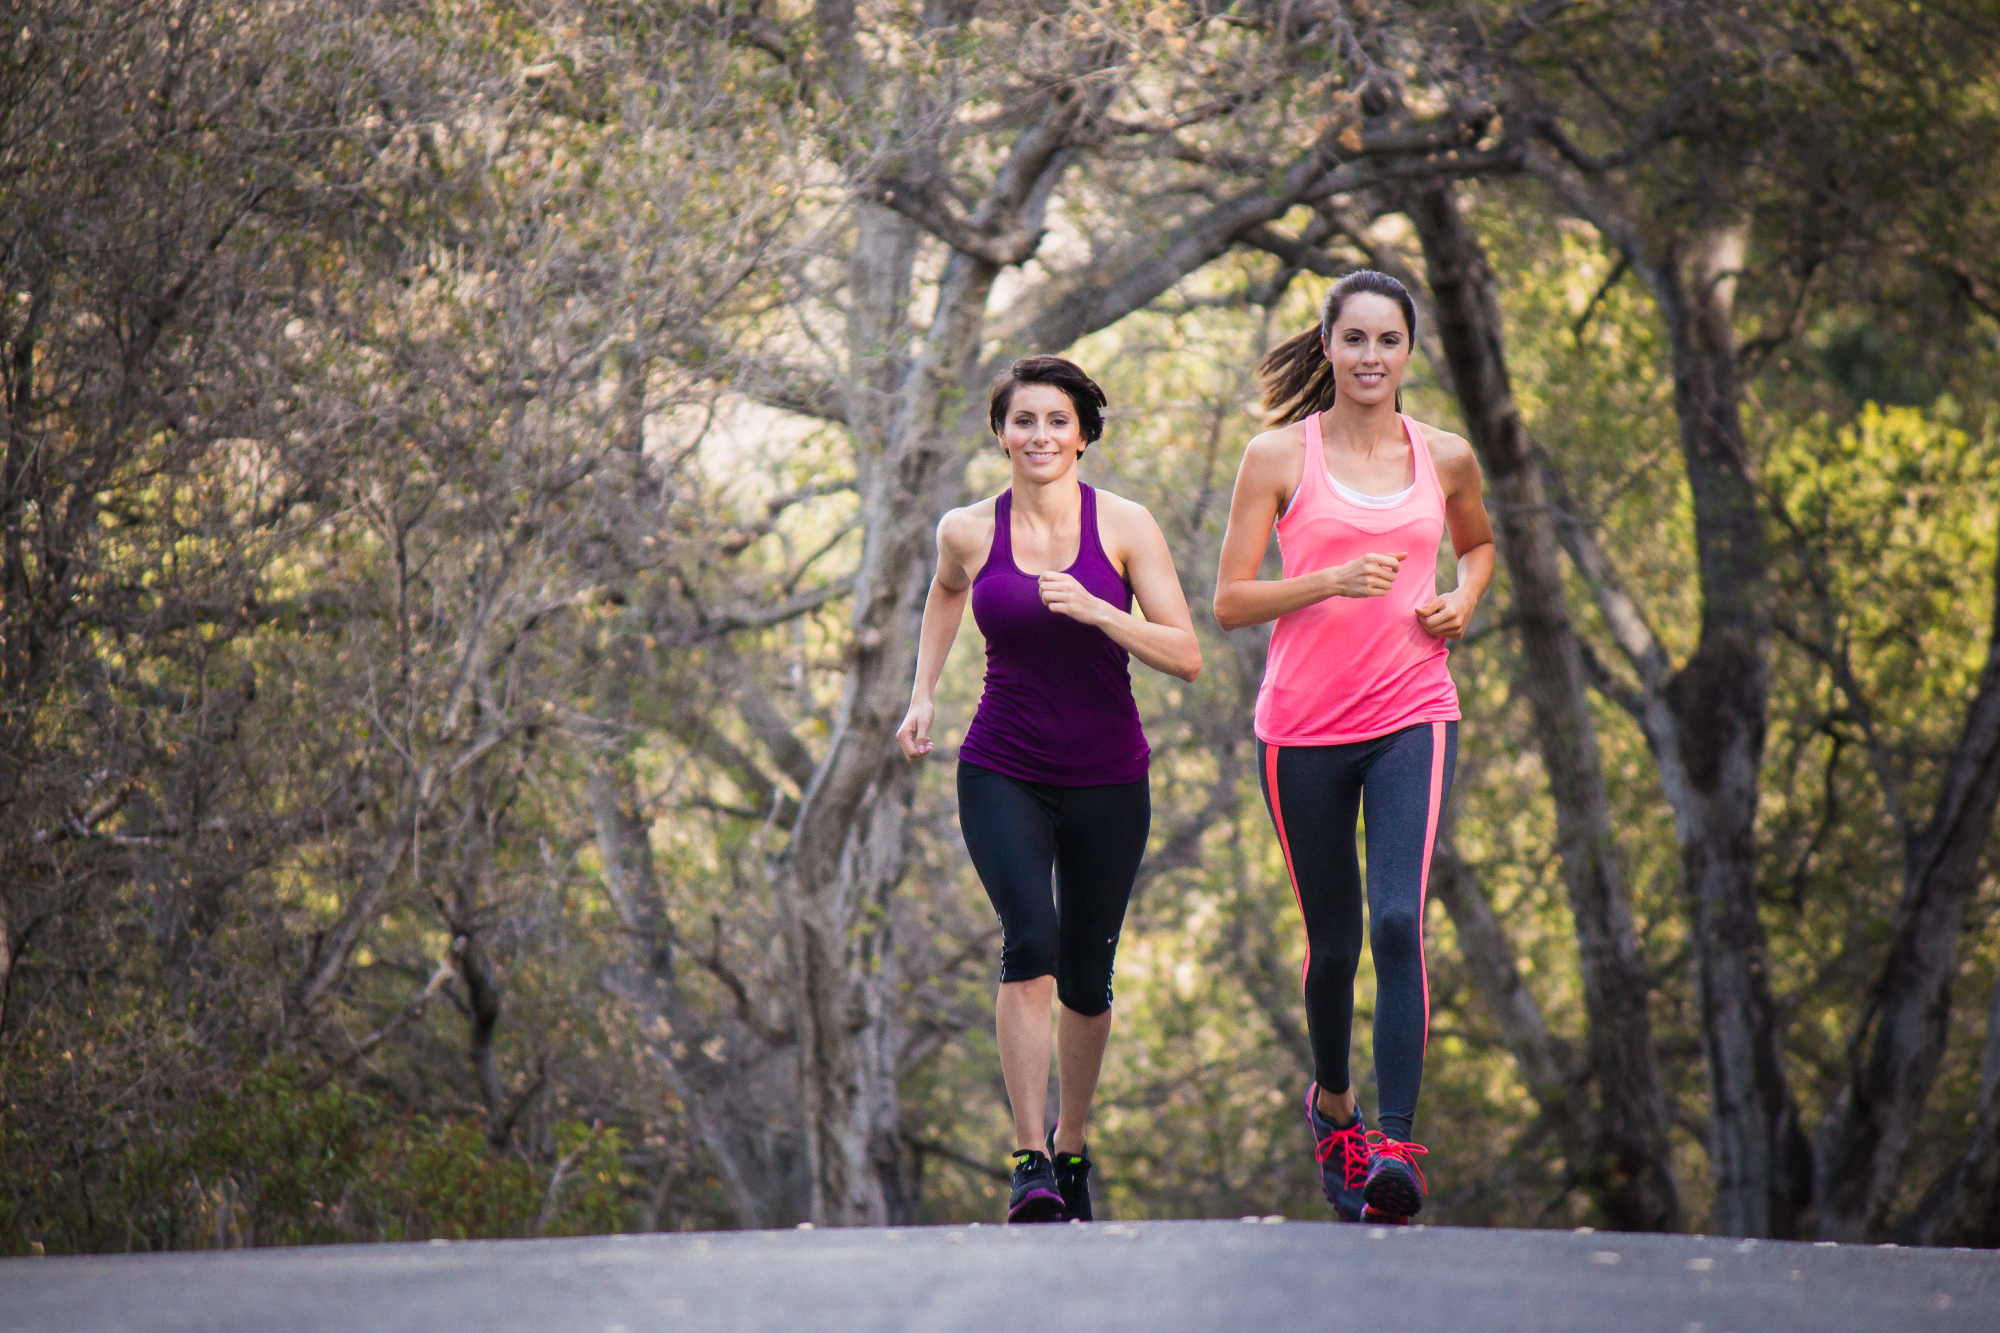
{"x": 293, "y": 566}
{"x": 1680, "y": 172}
{"x": 1627, "y": 1163}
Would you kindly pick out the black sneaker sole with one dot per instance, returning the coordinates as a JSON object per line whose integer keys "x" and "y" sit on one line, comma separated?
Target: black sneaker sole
{"x": 1041, "y": 1205}
{"x": 1393, "y": 1191}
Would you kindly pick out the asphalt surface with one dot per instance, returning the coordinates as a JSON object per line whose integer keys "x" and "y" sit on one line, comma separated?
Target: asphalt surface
{"x": 1150, "y": 1276}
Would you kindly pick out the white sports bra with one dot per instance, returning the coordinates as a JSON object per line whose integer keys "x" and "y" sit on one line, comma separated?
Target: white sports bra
{"x": 1352, "y": 496}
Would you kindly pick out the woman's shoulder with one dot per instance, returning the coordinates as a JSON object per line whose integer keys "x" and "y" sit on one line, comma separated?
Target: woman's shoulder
{"x": 969, "y": 527}
{"x": 1280, "y": 444}
{"x": 1115, "y": 508}
{"x": 1120, "y": 519}
{"x": 1273, "y": 462}
{"x": 1451, "y": 455}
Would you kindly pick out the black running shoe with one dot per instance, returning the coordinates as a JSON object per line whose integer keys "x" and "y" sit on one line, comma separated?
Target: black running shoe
{"x": 1036, "y": 1197}
{"x": 1073, "y": 1179}
{"x": 1342, "y": 1153}
{"x": 1394, "y": 1189}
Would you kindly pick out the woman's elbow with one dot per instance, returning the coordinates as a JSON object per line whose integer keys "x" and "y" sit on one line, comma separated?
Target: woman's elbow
{"x": 1190, "y": 666}
{"x": 1223, "y": 617}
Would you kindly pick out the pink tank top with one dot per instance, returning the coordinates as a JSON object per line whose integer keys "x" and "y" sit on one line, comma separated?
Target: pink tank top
{"x": 1353, "y": 668}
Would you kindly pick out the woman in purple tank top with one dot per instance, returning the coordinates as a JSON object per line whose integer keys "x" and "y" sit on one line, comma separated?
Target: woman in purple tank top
{"x": 1052, "y": 794}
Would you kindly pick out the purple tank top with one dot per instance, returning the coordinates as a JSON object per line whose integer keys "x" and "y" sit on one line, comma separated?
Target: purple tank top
{"x": 1058, "y": 705}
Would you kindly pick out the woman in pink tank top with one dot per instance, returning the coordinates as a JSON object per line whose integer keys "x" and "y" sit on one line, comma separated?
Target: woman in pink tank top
{"x": 1357, "y": 714}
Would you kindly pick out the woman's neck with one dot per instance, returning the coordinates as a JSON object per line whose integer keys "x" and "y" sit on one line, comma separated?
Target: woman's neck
{"x": 1053, "y": 501}
{"x": 1361, "y": 429}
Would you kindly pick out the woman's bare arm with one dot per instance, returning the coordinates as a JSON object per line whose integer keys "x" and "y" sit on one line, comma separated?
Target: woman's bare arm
{"x": 1165, "y": 639}
{"x": 1447, "y": 615}
{"x": 958, "y": 538}
{"x": 1264, "y": 482}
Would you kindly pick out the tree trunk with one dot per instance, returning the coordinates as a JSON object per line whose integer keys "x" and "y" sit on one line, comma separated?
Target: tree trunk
{"x": 482, "y": 992}
{"x": 847, "y": 852}
{"x": 6, "y": 965}
{"x": 1705, "y": 722}
{"x": 1963, "y": 1208}
{"x": 482, "y": 983}
{"x": 1628, "y": 1166}
{"x": 1899, "y": 1042}
{"x": 643, "y": 976}
{"x": 1489, "y": 961}
{"x": 1712, "y": 752}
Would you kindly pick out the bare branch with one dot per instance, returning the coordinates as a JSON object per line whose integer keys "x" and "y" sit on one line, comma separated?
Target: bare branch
{"x": 1297, "y": 254}
{"x": 405, "y": 1016}
{"x": 558, "y": 1178}
{"x": 1618, "y": 270}
{"x": 943, "y": 1152}
{"x": 763, "y": 617}
{"x": 1634, "y": 636}
{"x": 702, "y": 736}
{"x": 925, "y": 203}
{"x": 746, "y": 1009}
{"x": 755, "y": 707}
{"x": 1343, "y": 158}
{"x": 1606, "y": 683}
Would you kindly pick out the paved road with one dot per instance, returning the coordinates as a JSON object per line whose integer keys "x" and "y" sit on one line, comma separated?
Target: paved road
{"x": 1140, "y": 1276}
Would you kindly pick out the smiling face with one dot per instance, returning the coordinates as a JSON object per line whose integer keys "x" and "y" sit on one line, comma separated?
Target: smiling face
{"x": 1369, "y": 347}
{"x": 1041, "y": 434}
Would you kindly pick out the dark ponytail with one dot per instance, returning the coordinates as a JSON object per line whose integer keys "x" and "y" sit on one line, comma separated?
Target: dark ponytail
{"x": 1298, "y": 377}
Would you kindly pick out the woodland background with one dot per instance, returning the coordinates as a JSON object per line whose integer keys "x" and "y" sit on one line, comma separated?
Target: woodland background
{"x": 470, "y": 469}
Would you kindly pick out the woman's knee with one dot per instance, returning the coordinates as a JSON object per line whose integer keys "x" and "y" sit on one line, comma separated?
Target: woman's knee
{"x": 1398, "y": 936}
{"x": 1334, "y": 964}
{"x": 1085, "y": 990}
{"x": 1029, "y": 954}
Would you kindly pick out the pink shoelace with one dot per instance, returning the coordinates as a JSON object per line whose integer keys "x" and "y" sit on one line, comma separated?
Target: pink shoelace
{"x": 1382, "y": 1145}
{"x": 1353, "y": 1148}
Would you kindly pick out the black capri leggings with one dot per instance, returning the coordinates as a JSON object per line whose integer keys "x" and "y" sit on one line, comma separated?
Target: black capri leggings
{"x": 1400, "y": 782}
{"x": 1092, "y": 838}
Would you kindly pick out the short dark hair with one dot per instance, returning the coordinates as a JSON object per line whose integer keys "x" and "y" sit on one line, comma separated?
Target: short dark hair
{"x": 1084, "y": 395}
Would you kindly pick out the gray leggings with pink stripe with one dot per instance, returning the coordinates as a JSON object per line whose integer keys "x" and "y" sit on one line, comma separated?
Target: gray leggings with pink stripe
{"x": 1399, "y": 783}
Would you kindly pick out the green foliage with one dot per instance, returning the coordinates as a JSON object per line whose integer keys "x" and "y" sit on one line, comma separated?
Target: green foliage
{"x": 266, "y": 1162}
